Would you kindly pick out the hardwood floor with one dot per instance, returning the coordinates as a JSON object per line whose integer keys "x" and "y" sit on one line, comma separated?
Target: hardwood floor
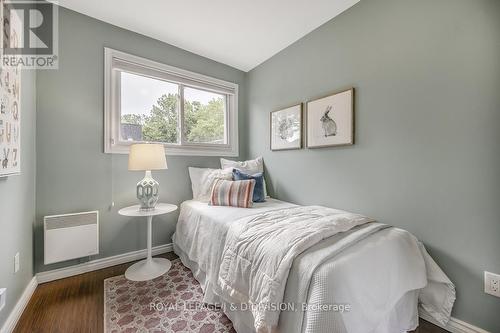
{"x": 76, "y": 304}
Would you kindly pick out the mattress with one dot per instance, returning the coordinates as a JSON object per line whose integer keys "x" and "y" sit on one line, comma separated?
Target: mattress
{"x": 362, "y": 275}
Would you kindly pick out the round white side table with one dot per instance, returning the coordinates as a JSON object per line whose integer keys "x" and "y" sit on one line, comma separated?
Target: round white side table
{"x": 149, "y": 268}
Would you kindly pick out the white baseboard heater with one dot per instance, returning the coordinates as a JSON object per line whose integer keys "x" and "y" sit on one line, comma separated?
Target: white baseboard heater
{"x": 70, "y": 236}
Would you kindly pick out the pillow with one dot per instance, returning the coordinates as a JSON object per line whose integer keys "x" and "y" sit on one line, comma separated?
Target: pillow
{"x": 258, "y": 191}
{"x": 250, "y": 167}
{"x": 202, "y": 181}
{"x": 236, "y": 193}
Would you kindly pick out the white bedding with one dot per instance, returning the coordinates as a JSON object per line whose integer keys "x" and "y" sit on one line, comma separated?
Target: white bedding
{"x": 376, "y": 276}
{"x": 260, "y": 249}
{"x": 201, "y": 232}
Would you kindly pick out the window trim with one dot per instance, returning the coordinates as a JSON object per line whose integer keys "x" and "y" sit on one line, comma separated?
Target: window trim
{"x": 114, "y": 61}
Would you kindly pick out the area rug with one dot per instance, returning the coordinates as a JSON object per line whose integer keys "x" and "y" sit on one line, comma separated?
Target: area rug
{"x": 169, "y": 303}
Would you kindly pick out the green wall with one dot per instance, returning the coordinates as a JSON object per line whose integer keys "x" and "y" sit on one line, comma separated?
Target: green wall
{"x": 427, "y": 157}
{"x": 17, "y": 206}
{"x": 74, "y": 174}
{"x": 427, "y": 77}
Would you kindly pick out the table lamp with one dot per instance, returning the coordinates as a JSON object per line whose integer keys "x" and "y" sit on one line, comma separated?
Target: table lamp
{"x": 147, "y": 157}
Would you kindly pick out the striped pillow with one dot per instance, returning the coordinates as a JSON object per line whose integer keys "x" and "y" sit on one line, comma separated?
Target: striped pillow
{"x": 237, "y": 193}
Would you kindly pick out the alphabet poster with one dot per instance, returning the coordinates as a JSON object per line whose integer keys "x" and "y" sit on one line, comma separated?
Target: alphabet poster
{"x": 10, "y": 112}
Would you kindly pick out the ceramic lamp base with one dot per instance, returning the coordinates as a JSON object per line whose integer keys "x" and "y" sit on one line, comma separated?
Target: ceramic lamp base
{"x": 148, "y": 192}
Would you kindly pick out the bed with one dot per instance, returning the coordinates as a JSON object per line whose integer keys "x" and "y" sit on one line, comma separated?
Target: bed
{"x": 374, "y": 284}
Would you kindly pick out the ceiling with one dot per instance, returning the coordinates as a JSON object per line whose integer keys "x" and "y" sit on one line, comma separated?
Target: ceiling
{"x": 241, "y": 34}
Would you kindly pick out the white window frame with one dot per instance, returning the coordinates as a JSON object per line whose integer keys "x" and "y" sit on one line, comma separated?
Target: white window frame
{"x": 117, "y": 61}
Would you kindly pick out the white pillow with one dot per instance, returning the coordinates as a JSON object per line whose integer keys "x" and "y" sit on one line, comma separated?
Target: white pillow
{"x": 202, "y": 181}
{"x": 250, "y": 167}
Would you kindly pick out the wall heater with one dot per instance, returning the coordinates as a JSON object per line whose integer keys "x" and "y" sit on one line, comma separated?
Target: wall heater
{"x": 70, "y": 236}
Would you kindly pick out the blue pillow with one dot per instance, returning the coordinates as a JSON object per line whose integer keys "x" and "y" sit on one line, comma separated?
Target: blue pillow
{"x": 258, "y": 191}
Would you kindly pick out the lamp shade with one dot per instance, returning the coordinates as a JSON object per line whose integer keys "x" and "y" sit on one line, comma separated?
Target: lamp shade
{"x": 146, "y": 157}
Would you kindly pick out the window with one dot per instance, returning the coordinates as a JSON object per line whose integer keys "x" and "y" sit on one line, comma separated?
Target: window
{"x": 145, "y": 101}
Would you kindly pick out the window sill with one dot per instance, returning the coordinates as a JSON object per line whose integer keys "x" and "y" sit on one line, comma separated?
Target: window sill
{"x": 180, "y": 151}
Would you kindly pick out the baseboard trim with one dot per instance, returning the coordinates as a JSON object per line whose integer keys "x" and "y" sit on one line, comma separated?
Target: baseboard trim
{"x": 97, "y": 264}
{"x": 454, "y": 325}
{"x": 16, "y": 313}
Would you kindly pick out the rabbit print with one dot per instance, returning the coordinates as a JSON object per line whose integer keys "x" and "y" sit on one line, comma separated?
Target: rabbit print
{"x": 328, "y": 124}
{"x": 330, "y": 120}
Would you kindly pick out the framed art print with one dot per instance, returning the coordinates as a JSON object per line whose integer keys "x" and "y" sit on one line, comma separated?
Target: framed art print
{"x": 286, "y": 128}
{"x": 330, "y": 120}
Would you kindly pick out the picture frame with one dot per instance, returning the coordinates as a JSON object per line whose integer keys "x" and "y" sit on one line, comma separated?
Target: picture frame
{"x": 286, "y": 128}
{"x": 330, "y": 120}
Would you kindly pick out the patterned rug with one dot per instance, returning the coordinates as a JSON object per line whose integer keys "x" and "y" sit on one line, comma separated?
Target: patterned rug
{"x": 169, "y": 303}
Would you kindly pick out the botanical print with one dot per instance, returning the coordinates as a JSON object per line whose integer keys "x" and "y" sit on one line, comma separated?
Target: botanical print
{"x": 330, "y": 120}
{"x": 286, "y": 128}
{"x": 10, "y": 120}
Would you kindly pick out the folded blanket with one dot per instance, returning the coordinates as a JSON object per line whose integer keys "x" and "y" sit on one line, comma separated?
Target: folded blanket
{"x": 359, "y": 284}
{"x": 260, "y": 249}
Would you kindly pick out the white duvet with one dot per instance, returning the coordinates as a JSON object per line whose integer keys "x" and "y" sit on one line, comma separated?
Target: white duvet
{"x": 379, "y": 272}
{"x": 259, "y": 251}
